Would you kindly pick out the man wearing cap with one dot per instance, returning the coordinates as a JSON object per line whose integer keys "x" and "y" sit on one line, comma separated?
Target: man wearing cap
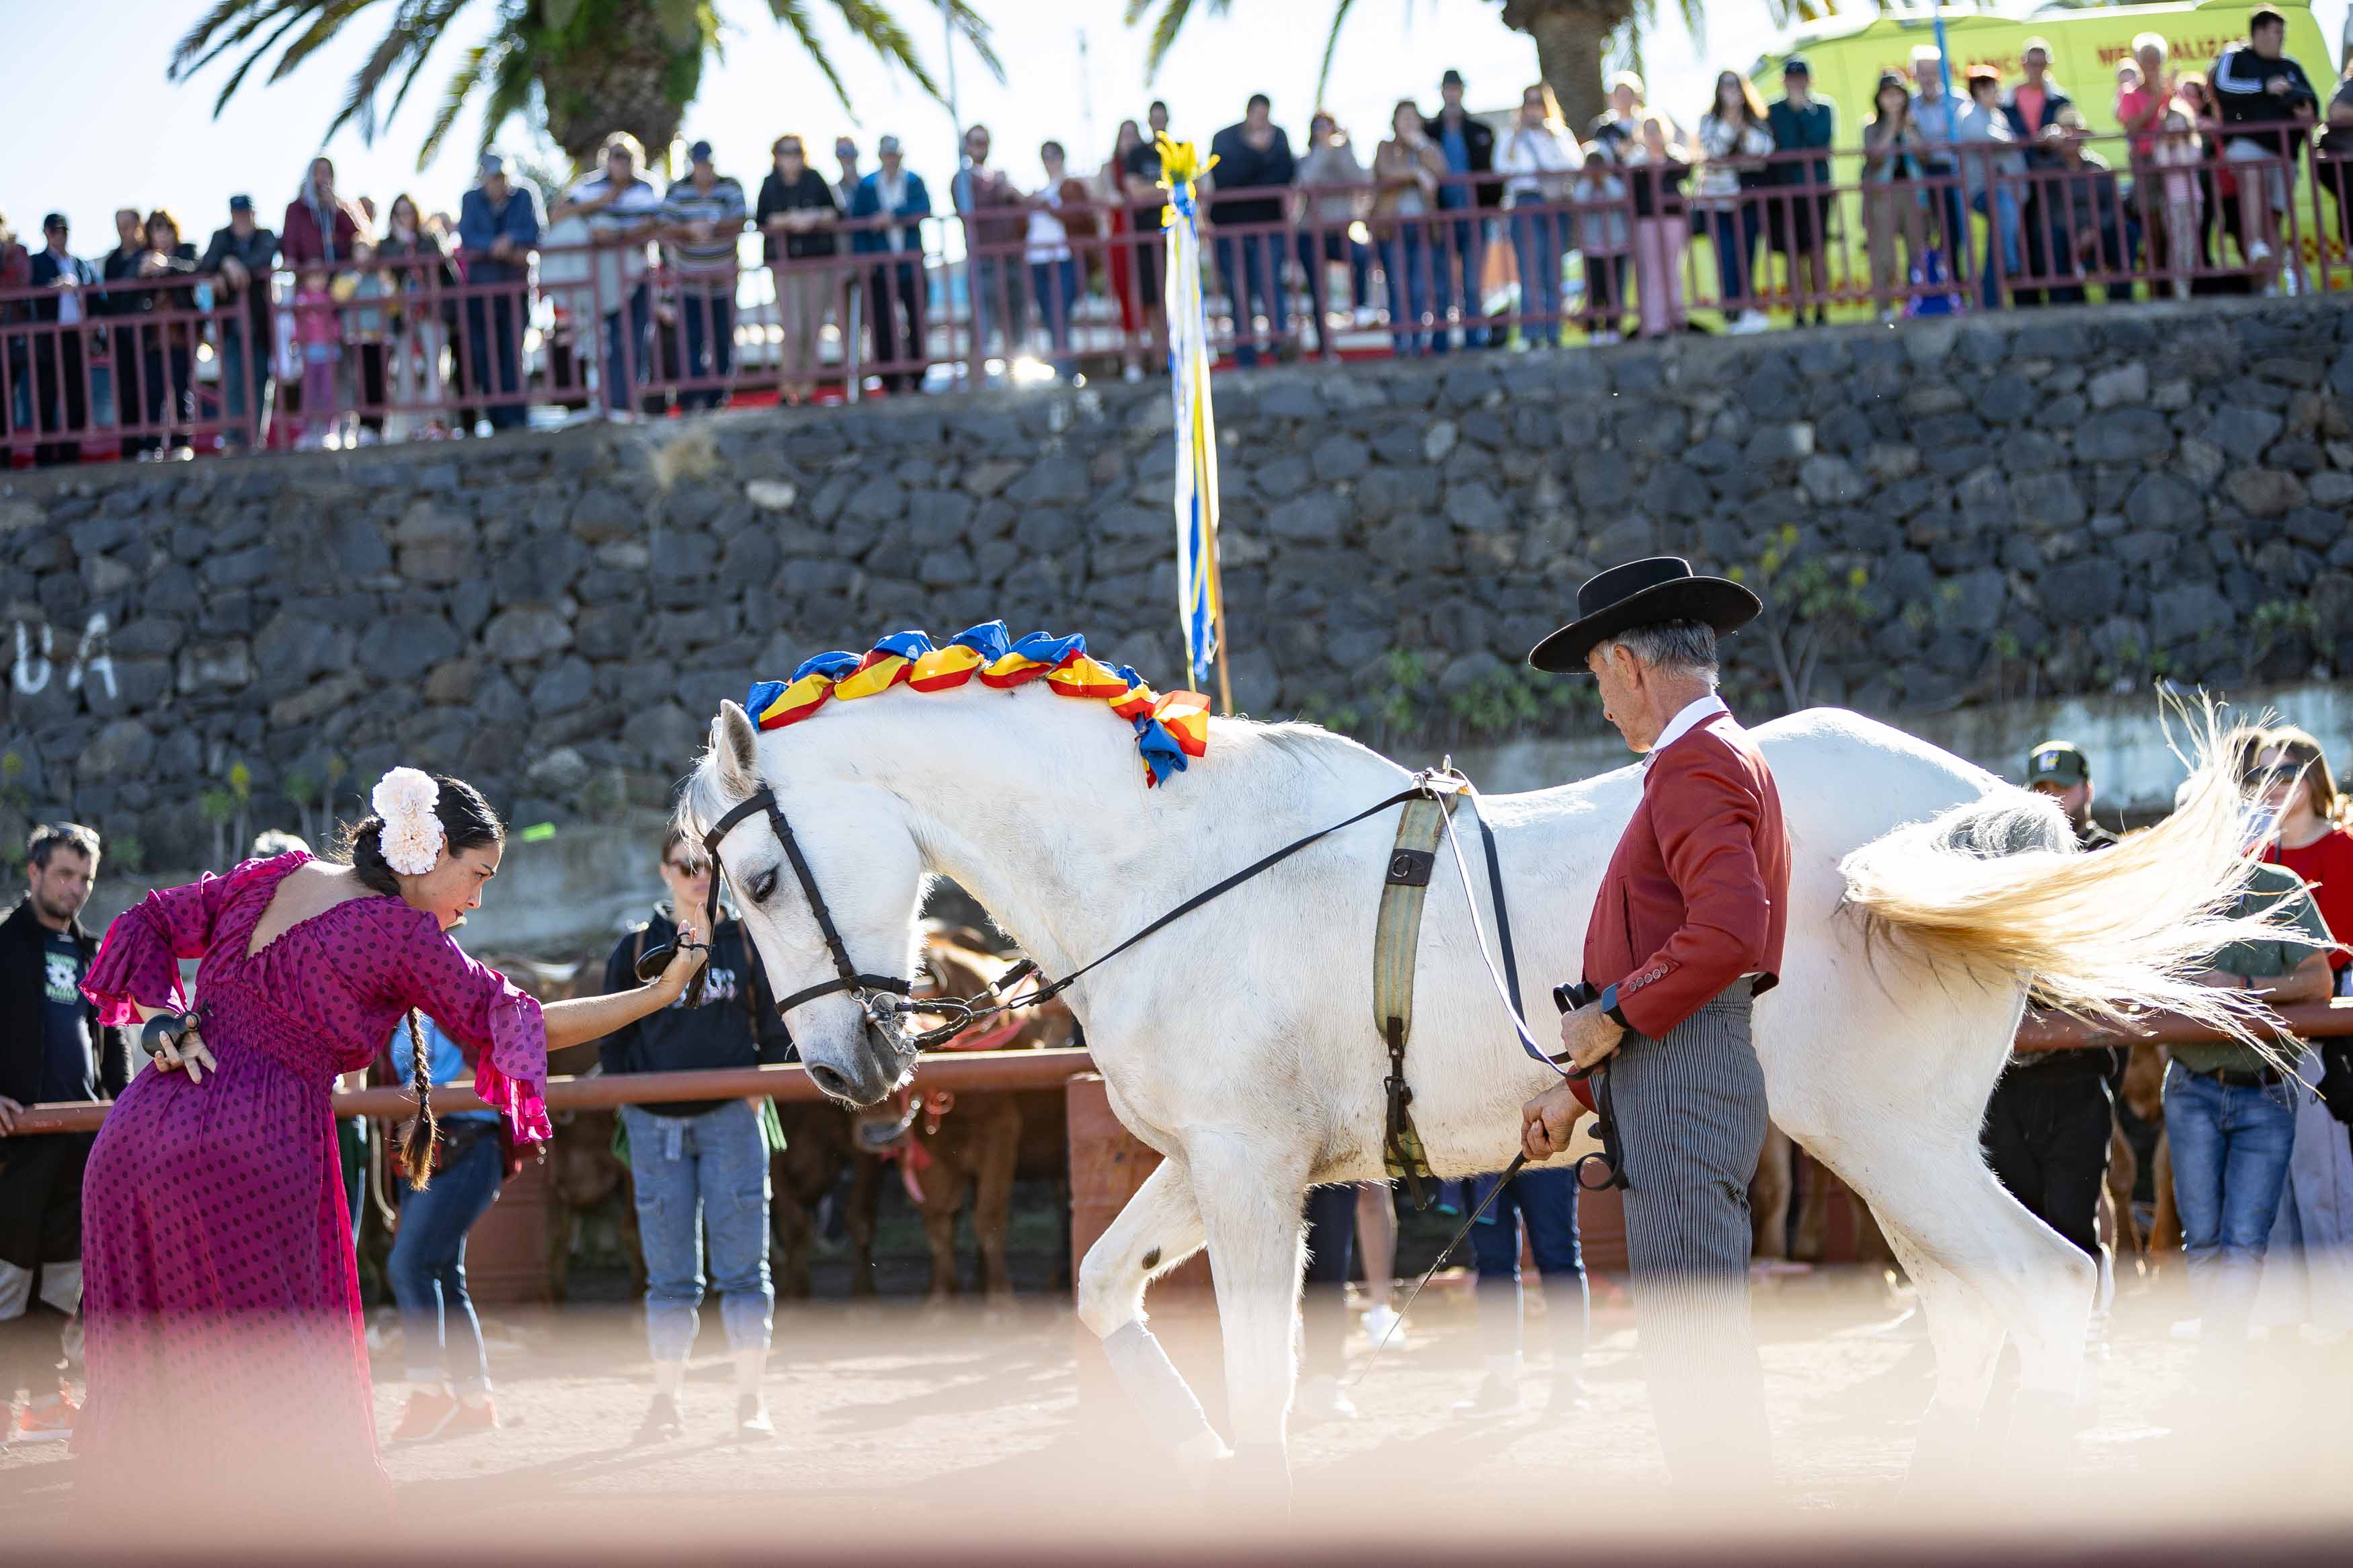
{"x": 498, "y": 228}
{"x": 1797, "y": 219}
{"x": 1686, "y": 929}
{"x": 2048, "y": 1123}
{"x": 60, "y": 388}
{"x": 241, "y": 256}
{"x": 706, "y": 214}
{"x": 894, "y": 292}
{"x": 845, "y": 153}
{"x": 1469, "y": 145}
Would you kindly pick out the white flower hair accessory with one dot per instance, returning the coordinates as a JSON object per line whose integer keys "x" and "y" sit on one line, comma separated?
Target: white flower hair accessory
{"x": 413, "y": 835}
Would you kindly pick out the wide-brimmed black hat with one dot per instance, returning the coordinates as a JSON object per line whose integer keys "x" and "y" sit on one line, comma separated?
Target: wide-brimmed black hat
{"x": 1640, "y": 593}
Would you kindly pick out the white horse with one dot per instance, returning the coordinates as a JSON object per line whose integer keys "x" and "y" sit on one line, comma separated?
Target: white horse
{"x": 1240, "y": 1042}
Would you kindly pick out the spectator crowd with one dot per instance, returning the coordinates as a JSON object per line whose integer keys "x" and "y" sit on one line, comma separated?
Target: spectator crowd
{"x": 350, "y": 322}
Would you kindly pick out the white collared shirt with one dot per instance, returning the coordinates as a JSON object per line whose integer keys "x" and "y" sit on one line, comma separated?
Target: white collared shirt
{"x": 1698, "y": 711}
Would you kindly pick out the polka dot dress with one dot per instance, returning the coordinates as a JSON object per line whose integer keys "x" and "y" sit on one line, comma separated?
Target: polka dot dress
{"x": 220, "y": 1294}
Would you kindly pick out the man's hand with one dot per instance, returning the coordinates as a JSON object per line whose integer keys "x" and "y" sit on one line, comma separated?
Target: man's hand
{"x": 2276, "y": 87}
{"x": 504, "y": 247}
{"x": 1589, "y": 1036}
{"x": 234, "y": 270}
{"x": 1546, "y": 1122}
{"x": 10, "y": 1112}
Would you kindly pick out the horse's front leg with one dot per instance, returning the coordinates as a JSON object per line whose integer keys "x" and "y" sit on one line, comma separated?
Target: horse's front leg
{"x": 1159, "y": 1228}
{"x": 1252, "y": 1194}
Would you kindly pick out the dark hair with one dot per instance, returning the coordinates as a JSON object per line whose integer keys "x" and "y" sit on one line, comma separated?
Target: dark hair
{"x": 161, "y": 215}
{"x": 1258, "y": 99}
{"x": 1159, "y": 103}
{"x": 2261, "y": 17}
{"x": 1752, "y": 109}
{"x": 468, "y": 823}
{"x": 1053, "y": 147}
{"x": 1887, "y": 80}
{"x": 51, "y": 837}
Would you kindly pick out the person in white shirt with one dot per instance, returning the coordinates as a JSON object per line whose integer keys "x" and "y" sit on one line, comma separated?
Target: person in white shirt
{"x": 1538, "y": 158}
{"x": 1734, "y": 141}
{"x": 622, "y": 212}
{"x": 1054, "y": 274}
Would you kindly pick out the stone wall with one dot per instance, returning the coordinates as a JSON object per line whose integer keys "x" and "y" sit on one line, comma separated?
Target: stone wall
{"x": 1949, "y": 512}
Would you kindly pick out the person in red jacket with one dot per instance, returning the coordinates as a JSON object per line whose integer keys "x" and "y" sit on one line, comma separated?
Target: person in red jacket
{"x": 1686, "y": 929}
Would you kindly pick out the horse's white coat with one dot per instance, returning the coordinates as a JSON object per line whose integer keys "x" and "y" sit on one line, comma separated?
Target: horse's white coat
{"x": 1240, "y": 1042}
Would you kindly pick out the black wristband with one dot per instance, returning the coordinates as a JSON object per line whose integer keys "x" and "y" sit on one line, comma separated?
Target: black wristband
{"x": 1609, "y": 1008}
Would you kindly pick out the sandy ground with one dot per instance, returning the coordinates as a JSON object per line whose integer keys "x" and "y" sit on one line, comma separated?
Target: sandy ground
{"x": 941, "y": 1432}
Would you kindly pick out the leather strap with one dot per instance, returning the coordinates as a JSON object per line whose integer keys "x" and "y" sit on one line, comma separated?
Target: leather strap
{"x": 1396, "y": 942}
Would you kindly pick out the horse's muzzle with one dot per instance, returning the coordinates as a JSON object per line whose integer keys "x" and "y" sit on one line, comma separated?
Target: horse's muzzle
{"x": 874, "y": 1073}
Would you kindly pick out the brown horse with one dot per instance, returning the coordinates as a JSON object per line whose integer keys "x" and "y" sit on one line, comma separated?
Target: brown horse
{"x": 948, "y": 1149}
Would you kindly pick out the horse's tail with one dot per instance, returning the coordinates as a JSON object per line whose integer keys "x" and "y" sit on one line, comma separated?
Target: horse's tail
{"x": 1997, "y": 888}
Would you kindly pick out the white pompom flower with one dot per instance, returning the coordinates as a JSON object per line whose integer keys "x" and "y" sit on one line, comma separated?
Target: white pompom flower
{"x": 413, "y": 836}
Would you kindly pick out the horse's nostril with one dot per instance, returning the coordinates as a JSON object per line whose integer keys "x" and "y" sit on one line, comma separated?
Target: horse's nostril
{"x": 829, "y": 1080}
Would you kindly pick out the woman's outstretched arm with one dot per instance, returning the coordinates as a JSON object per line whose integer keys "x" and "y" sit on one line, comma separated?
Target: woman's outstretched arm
{"x": 585, "y": 1018}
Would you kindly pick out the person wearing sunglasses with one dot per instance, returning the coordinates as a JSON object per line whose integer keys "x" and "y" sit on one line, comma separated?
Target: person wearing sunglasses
{"x": 700, "y": 1165}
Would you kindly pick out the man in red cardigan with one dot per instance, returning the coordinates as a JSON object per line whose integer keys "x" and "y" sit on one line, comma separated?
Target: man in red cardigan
{"x": 1685, "y": 930}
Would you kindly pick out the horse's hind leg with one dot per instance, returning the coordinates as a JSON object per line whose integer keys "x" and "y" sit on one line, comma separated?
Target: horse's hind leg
{"x": 1159, "y": 1228}
{"x": 1967, "y": 1336}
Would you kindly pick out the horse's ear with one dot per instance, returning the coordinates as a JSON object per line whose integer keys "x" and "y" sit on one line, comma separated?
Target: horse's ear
{"x": 735, "y": 746}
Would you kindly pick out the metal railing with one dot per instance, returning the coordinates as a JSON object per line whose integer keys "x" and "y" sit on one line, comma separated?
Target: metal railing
{"x": 973, "y": 1072}
{"x": 434, "y": 345}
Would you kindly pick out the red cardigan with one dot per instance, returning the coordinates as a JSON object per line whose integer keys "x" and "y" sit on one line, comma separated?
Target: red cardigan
{"x": 1697, "y": 894}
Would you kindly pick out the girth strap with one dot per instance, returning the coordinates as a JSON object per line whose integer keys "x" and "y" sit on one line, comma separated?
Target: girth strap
{"x": 1397, "y": 940}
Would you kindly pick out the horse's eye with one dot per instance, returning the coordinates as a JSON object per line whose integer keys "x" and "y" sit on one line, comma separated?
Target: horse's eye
{"x": 763, "y": 885}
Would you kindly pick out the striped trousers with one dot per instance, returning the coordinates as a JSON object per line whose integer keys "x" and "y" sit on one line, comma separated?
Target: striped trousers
{"x": 1691, "y": 1121}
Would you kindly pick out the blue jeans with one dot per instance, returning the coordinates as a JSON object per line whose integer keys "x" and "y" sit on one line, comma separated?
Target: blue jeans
{"x": 428, "y": 1267}
{"x": 1316, "y": 252}
{"x": 1544, "y": 1202}
{"x": 1733, "y": 233}
{"x": 1409, "y": 288}
{"x": 698, "y": 1173}
{"x": 1255, "y": 289}
{"x": 1055, "y": 286}
{"x": 999, "y": 301}
{"x": 623, "y": 374}
{"x": 2231, "y": 1149}
{"x": 494, "y": 358}
{"x": 719, "y": 296}
{"x": 1538, "y": 240}
{"x": 1454, "y": 265}
{"x": 2002, "y": 231}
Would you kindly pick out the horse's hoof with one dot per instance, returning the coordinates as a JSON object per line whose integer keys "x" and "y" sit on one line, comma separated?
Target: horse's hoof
{"x": 1204, "y": 1458}
{"x": 1254, "y": 1482}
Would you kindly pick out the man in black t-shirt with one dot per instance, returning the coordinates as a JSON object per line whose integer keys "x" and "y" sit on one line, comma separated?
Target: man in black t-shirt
{"x": 796, "y": 217}
{"x": 1254, "y": 155}
{"x": 52, "y": 1048}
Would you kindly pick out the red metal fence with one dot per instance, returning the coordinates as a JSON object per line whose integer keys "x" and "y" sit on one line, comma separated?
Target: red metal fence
{"x": 433, "y": 345}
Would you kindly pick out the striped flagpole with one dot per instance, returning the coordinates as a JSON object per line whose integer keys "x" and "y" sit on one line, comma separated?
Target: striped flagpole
{"x": 1200, "y": 597}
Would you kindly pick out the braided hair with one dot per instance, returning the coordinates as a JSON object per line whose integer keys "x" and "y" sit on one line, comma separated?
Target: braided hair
{"x": 469, "y": 822}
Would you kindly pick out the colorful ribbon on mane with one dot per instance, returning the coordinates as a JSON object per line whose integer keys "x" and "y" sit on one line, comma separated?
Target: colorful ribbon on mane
{"x": 1168, "y": 727}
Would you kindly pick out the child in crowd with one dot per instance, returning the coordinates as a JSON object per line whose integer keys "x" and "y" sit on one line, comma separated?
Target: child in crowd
{"x": 1600, "y": 193}
{"x": 318, "y": 333}
{"x": 2177, "y": 153}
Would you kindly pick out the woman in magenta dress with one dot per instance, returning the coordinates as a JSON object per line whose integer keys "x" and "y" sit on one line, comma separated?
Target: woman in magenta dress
{"x": 221, "y": 1298}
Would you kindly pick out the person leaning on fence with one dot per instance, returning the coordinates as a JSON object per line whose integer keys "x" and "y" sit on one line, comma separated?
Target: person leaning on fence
{"x": 61, "y": 395}
{"x": 795, "y": 216}
{"x": 2267, "y": 107}
{"x": 1252, "y": 154}
{"x": 1330, "y": 200}
{"x": 1537, "y": 158}
{"x": 700, "y": 1166}
{"x": 895, "y": 288}
{"x": 168, "y": 351}
{"x": 703, "y": 216}
{"x": 498, "y": 228}
{"x": 416, "y": 268}
{"x": 114, "y": 386}
{"x": 52, "y": 1048}
{"x": 1061, "y": 207}
{"x": 1992, "y": 169}
{"x": 1798, "y": 212}
{"x": 1457, "y": 259}
{"x": 1893, "y": 197}
{"x": 2229, "y": 1115}
{"x": 242, "y": 255}
{"x": 2082, "y": 228}
{"x": 994, "y": 227}
{"x": 622, "y": 211}
{"x": 1405, "y": 171}
{"x": 321, "y": 235}
{"x": 1734, "y": 140}
{"x": 1655, "y": 172}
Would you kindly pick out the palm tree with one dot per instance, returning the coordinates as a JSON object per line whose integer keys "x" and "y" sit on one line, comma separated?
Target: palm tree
{"x": 585, "y": 69}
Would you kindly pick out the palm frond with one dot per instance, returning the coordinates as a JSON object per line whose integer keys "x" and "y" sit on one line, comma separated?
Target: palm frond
{"x": 461, "y": 86}
{"x": 1172, "y": 14}
{"x": 1331, "y": 46}
{"x": 794, "y": 15}
{"x": 975, "y": 30}
{"x": 212, "y": 37}
{"x": 433, "y": 16}
{"x": 237, "y": 76}
{"x": 881, "y": 32}
{"x": 330, "y": 19}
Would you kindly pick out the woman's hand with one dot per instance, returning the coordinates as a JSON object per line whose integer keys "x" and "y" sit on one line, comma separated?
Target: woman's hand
{"x": 188, "y": 1052}
{"x": 690, "y": 956}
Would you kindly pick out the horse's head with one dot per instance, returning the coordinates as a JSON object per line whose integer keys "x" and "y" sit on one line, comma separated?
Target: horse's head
{"x": 859, "y": 869}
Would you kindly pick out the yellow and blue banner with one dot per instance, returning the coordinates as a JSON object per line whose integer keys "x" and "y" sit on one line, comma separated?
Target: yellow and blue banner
{"x": 1197, "y": 608}
{"x": 1169, "y": 727}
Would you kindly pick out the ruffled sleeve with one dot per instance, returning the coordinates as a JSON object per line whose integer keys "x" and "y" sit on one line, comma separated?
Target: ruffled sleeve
{"x": 138, "y": 963}
{"x": 498, "y": 1025}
